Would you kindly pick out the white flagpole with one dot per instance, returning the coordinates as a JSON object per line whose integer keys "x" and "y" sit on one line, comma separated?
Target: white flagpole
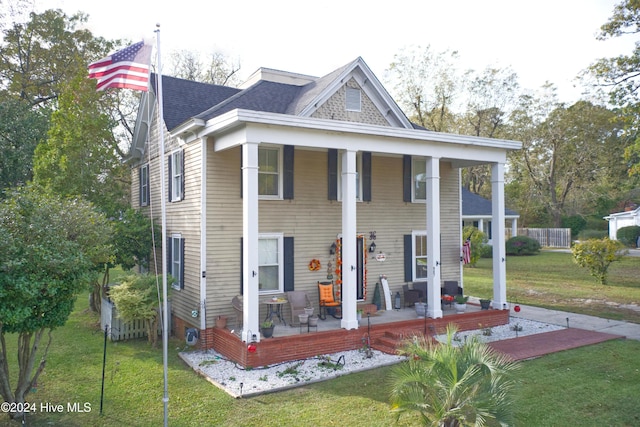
{"x": 165, "y": 309}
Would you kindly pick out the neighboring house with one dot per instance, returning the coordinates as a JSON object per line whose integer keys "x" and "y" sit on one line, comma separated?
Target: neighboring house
{"x": 620, "y": 220}
{"x": 264, "y": 179}
{"x": 476, "y": 211}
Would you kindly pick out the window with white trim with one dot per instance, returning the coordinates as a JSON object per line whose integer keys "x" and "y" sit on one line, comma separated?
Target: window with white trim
{"x": 175, "y": 261}
{"x": 176, "y": 173}
{"x": 419, "y": 239}
{"x": 144, "y": 185}
{"x": 358, "y": 175}
{"x": 270, "y": 263}
{"x": 419, "y": 179}
{"x": 269, "y": 172}
{"x": 353, "y": 99}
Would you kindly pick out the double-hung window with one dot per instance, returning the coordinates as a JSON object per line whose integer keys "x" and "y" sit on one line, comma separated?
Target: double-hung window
{"x": 269, "y": 173}
{"x": 144, "y": 185}
{"x": 419, "y": 239}
{"x": 270, "y": 263}
{"x": 176, "y": 176}
{"x": 175, "y": 260}
{"x": 419, "y": 178}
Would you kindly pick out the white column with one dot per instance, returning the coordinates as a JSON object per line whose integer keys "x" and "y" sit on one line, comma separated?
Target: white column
{"x": 250, "y": 302}
{"x": 349, "y": 264}
{"x": 434, "y": 308}
{"x": 514, "y": 227}
{"x": 203, "y": 235}
{"x": 499, "y": 250}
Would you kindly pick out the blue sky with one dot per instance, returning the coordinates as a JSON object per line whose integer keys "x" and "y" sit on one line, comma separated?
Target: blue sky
{"x": 547, "y": 40}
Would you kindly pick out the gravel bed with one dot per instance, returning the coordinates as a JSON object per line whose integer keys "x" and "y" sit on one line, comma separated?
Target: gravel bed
{"x": 240, "y": 382}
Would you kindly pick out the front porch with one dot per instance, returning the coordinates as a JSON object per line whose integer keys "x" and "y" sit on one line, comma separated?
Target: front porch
{"x": 387, "y": 330}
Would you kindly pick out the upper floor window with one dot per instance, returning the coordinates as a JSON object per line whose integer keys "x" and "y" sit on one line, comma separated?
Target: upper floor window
{"x": 176, "y": 176}
{"x": 269, "y": 172}
{"x": 419, "y": 178}
{"x": 144, "y": 185}
{"x": 353, "y": 99}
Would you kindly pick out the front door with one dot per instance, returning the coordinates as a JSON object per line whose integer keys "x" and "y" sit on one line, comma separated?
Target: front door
{"x": 361, "y": 266}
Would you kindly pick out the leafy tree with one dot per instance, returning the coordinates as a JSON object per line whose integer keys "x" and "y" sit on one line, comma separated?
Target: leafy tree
{"x": 427, "y": 85}
{"x": 621, "y": 74}
{"x": 597, "y": 256}
{"x": 138, "y": 298}
{"x": 469, "y": 385}
{"x": 50, "y": 245}
{"x": 215, "y": 69}
{"x": 522, "y": 245}
{"x": 21, "y": 130}
{"x": 49, "y": 49}
{"x": 80, "y": 156}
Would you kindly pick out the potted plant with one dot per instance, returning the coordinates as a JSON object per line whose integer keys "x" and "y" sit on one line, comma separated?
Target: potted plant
{"x": 485, "y": 303}
{"x": 221, "y": 322}
{"x": 308, "y": 310}
{"x": 267, "y": 328}
{"x": 421, "y": 309}
{"x": 460, "y": 303}
{"x": 313, "y": 320}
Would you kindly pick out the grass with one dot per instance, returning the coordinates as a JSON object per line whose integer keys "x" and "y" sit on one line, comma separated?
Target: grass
{"x": 553, "y": 280}
{"x": 590, "y": 386}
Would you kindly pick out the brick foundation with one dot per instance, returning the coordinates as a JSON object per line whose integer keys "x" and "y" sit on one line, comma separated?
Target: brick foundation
{"x": 280, "y": 349}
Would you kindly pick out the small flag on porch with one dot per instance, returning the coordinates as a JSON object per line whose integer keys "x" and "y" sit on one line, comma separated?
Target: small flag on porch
{"x": 466, "y": 251}
{"x": 125, "y": 69}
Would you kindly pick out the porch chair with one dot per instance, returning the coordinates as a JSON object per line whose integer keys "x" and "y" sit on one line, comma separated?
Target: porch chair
{"x": 421, "y": 287}
{"x": 411, "y": 296}
{"x": 236, "y": 302}
{"x": 327, "y": 300}
{"x": 450, "y": 287}
{"x": 298, "y": 301}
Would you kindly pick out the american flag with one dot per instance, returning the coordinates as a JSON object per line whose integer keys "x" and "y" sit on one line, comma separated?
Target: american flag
{"x": 466, "y": 251}
{"x": 125, "y": 69}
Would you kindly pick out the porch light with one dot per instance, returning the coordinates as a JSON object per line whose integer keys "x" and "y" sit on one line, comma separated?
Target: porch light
{"x": 332, "y": 249}
{"x": 372, "y": 248}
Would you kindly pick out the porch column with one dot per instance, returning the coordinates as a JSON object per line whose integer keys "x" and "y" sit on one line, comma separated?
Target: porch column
{"x": 499, "y": 249}
{"x": 349, "y": 265}
{"x": 434, "y": 307}
{"x": 250, "y": 303}
{"x": 514, "y": 227}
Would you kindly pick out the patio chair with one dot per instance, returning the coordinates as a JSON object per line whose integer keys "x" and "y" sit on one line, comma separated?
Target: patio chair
{"x": 298, "y": 301}
{"x": 411, "y": 296}
{"x": 328, "y": 302}
{"x": 421, "y": 287}
{"x": 236, "y": 302}
{"x": 450, "y": 287}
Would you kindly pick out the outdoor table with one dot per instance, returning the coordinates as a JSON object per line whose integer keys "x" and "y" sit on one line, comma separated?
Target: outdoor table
{"x": 275, "y": 308}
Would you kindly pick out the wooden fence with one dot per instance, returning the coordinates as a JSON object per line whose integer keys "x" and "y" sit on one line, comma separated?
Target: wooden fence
{"x": 548, "y": 237}
{"x": 118, "y": 329}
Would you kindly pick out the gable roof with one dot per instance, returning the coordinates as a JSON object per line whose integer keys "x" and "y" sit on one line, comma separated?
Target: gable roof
{"x": 476, "y": 205}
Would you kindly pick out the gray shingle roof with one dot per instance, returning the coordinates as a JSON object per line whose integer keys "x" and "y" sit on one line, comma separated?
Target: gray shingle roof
{"x": 476, "y": 205}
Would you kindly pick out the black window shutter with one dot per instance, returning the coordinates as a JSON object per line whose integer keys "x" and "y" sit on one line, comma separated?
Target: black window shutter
{"x": 181, "y": 263}
{"x": 288, "y": 264}
{"x": 169, "y": 187}
{"x": 169, "y": 256}
{"x": 408, "y": 258}
{"x": 141, "y": 186}
{"x": 287, "y": 178}
{"x": 148, "y": 182}
{"x": 184, "y": 177}
{"x": 406, "y": 178}
{"x": 332, "y": 161}
{"x": 366, "y": 176}
{"x": 241, "y": 265}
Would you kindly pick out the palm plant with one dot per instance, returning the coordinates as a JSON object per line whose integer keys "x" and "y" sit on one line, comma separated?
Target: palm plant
{"x": 453, "y": 386}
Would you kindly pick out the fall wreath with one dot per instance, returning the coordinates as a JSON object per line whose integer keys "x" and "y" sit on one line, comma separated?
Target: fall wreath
{"x": 314, "y": 265}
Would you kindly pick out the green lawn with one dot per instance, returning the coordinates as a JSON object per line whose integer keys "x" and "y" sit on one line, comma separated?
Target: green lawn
{"x": 591, "y": 386}
{"x": 553, "y": 280}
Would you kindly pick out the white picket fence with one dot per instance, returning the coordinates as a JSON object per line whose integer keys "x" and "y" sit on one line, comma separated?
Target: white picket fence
{"x": 548, "y": 237}
{"x": 118, "y": 329}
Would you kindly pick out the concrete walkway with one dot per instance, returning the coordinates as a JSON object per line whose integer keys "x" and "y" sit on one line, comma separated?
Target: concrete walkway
{"x": 580, "y": 321}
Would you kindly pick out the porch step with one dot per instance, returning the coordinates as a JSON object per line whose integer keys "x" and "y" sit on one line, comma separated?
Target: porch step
{"x": 391, "y": 341}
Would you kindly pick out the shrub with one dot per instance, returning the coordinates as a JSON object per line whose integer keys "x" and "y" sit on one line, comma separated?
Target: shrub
{"x": 576, "y": 223}
{"x": 628, "y": 236}
{"x": 597, "y": 256}
{"x": 522, "y": 245}
{"x": 477, "y": 238}
{"x": 486, "y": 251}
{"x": 592, "y": 234}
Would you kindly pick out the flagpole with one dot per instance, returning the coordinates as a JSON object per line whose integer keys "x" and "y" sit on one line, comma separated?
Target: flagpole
{"x": 165, "y": 309}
